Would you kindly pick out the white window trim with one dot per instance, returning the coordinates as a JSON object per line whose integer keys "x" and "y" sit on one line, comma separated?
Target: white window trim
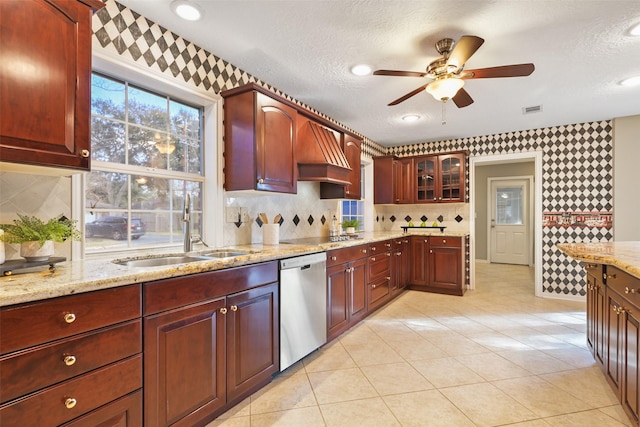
{"x": 117, "y": 66}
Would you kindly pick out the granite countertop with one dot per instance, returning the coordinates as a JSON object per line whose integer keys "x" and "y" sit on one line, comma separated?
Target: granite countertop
{"x": 73, "y": 277}
{"x": 624, "y": 255}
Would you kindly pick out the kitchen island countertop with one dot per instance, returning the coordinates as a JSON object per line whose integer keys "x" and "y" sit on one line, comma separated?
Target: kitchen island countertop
{"x": 72, "y": 277}
{"x": 624, "y": 255}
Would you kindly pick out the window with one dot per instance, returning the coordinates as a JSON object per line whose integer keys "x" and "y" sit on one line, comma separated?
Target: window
{"x": 353, "y": 209}
{"x": 147, "y": 151}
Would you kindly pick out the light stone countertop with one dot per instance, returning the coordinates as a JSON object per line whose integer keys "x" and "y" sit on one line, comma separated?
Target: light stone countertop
{"x": 73, "y": 277}
{"x": 624, "y": 255}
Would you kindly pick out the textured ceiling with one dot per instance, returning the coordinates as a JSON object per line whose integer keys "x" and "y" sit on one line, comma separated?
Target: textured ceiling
{"x": 581, "y": 50}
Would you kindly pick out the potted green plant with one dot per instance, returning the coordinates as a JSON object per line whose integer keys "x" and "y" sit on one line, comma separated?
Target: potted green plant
{"x": 36, "y": 236}
{"x": 350, "y": 225}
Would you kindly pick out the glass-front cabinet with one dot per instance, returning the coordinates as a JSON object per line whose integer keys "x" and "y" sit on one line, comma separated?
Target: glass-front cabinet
{"x": 440, "y": 178}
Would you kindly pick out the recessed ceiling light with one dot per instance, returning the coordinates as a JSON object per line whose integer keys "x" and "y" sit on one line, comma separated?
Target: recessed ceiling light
{"x": 635, "y": 30}
{"x": 631, "y": 81}
{"x": 361, "y": 70}
{"x": 411, "y": 117}
{"x": 186, "y": 9}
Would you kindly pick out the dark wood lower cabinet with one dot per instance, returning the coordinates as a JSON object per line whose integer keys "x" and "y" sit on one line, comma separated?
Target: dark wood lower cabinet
{"x": 437, "y": 264}
{"x": 124, "y": 412}
{"x": 346, "y": 296}
{"x": 614, "y": 347}
{"x": 630, "y": 371}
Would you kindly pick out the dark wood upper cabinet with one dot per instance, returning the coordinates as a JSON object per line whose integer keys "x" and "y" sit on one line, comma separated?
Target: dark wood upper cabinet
{"x": 260, "y": 139}
{"x": 351, "y": 147}
{"x": 45, "y": 82}
{"x": 385, "y": 175}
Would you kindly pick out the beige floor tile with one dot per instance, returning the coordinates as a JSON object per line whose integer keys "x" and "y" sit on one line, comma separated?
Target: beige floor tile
{"x": 328, "y": 358}
{"x": 283, "y": 393}
{"x": 242, "y": 409}
{"x": 359, "y": 334}
{"x": 575, "y": 356}
{"x": 367, "y": 412}
{"x": 496, "y": 341}
{"x": 535, "y": 361}
{"x": 308, "y": 417}
{"x": 372, "y": 353}
{"x": 391, "y": 329}
{"x": 487, "y": 405}
{"x": 586, "y": 384}
{"x": 532, "y": 423}
{"x": 295, "y": 369}
{"x": 244, "y": 421}
{"x": 417, "y": 349}
{"x": 341, "y": 385}
{"x": 395, "y": 378}
{"x": 446, "y": 372}
{"x": 541, "y": 397}
{"x": 491, "y": 366}
{"x": 426, "y": 408}
{"x": 617, "y": 413}
{"x": 593, "y": 418}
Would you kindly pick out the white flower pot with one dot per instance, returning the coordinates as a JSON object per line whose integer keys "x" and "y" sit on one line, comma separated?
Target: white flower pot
{"x": 350, "y": 230}
{"x": 33, "y": 251}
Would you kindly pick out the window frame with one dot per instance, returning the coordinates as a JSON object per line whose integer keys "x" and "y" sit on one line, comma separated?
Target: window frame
{"x": 212, "y": 178}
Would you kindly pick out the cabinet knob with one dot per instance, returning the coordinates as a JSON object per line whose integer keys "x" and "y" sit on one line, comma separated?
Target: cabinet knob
{"x": 430, "y": 251}
{"x": 426, "y": 241}
{"x": 609, "y": 276}
{"x": 444, "y": 241}
{"x": 234, "y": 308}
{"x": 69, "y": 359}
{"x": 70, "y": 403}
{"x": 85, "y": 153}
{"x": 364, "y": 251}
{"x": 223, "y": 310}
{"x": 398, "y": 253}
{"x": 373, "y": 286}
{"x": 260, "y": 181}
{"x": 405, "y": 241}
{"x": 69, "y": 317}
{"x": 388, "y": 253}
{"x": 388, "y": 278}
{"x": 373, "y": 248}
{"x": 388, "y": 245}
{"x": 333, "y": 258}
{"x": 628, "y": 290}
{"x": 373, "y": 258}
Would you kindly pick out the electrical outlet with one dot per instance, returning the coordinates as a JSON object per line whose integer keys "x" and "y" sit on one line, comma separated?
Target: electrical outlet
{"x": 233, "y": 214}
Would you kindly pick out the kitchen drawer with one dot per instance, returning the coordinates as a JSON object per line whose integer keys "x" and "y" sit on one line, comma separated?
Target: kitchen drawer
{"x": 124, "y": 412}
{"x": 73, "y": 398}
{"x": 398, "y": 243}
{"x": 379, "y": 266}
{"x": 379, "y": 293}
{"x": 30, "y": 324}
{"x": 445, "y": 241}
{"x": 30, "y": 370}
{"x": 624, "y": 283}
{"x": 168, "y": 294}
{"x": 594, "y": 269}
{"x": 379, "y": 247}
{"x": 340, "y": 256}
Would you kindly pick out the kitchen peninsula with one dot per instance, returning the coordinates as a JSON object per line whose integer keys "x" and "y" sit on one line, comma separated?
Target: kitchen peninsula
{"x": 613, "y": 314}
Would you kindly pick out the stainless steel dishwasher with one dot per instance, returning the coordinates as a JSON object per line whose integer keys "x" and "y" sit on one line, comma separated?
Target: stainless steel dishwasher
{"x": 303, "y": 306}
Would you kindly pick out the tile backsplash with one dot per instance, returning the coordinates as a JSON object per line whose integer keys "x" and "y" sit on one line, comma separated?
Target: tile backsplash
{"x": 454, "y": 216}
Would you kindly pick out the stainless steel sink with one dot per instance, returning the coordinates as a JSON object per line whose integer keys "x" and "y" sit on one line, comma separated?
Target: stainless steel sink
{"x": 163, "y": 260}
{"x": 226, "y": 254}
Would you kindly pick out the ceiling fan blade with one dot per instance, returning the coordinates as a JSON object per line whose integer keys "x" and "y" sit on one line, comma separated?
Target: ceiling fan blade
{"x": 463, "y": 49}
{"x": 398, "y": 73}
{"x": 462, "y": 98}
{"x": 517, "y": 70}
{"x": 407, "y": 96}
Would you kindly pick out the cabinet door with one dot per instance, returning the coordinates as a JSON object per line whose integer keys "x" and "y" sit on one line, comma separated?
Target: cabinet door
{"x": 45, "y": 97}
{"x": 253, "y": 350}
{"x": 630, "y": 371}
{"x": 338, "y": 283}
{"x": 275, "y": 145}
{"x": 358, "y": 290}
{"x": 451, "y": 179}
{"x": 426, "y": 179}
{"x": 614, "y": 345}
{"x": 184, "y": 359}
{"x": 404, "y": 180}
{"x": 445, "y": 268}
{"x": 351, "y": 148}
{"x": 419, "y": 257}
{"x": 379, "y": 292}
{"x": 384, "y": 177}
{"x": 591, "y": 312}
{"x": 124, "y": 412}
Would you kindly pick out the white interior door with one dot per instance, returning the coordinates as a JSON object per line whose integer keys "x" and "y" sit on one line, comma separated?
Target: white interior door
{"x": 509, "y": 217}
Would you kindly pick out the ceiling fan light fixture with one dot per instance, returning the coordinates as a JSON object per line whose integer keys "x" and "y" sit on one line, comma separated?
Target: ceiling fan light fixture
{"x": 410, "y": 118}
{"x": 445, "y": 88}
{"x": 361, "y": 70}
{"x": 635, "y": 30}
{"x": 186, "y": 10}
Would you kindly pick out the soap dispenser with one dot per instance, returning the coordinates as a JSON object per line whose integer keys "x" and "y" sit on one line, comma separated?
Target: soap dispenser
{"x": 335, "y": 228}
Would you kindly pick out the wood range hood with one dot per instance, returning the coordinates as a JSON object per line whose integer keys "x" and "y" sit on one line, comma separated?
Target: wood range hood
{"x": 319, "y": 155}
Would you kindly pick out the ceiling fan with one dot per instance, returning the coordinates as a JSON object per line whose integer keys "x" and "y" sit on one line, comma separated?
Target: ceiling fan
{"x": 448, "y": 72}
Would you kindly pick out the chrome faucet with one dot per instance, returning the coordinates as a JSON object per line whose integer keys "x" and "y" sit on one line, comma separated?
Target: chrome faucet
{"x": 186, "y": 220}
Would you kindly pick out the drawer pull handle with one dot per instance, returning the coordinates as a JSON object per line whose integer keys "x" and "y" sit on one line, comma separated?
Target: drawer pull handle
{"x": 606, "y": 276}
{"x": 628, "y": 290}
{"x": 426, "y": 241}
{"x": 364, "y": 251}
{"x": 333, "y": 258}
{"x": 223, "y": 310}
{"x": 373, "y": 248}
{"x": 69, "y": 317}
{"x": 69, "y": 360}
{"x": 388, "y": 245}
{"x": 398, "y": 253}
{"x": 234, "y": 308}
{"x": 70, "y": 403}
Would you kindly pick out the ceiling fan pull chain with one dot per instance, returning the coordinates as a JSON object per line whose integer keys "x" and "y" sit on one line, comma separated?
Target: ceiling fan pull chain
{"x": 444, "y": 112}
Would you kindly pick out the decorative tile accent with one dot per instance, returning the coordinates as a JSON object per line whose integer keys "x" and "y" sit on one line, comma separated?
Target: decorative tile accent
{"x": 238, "y": 224}
{"x": 392, "y": 218}
{"x": 259, "y": 221}
{"x": 296, "y": 220}
{"x": 423, "y": 218}
{"x": 323, "y": 219}
{"x": 440, "y": 218}
{"x": 310, "y": 220}
{"x": 407, "y": 218}
{"x": 458, "y": 218}
{"x": 377, "y": 218}
{"x": 577, "y": 219}
{"x": 280, "y": 221}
